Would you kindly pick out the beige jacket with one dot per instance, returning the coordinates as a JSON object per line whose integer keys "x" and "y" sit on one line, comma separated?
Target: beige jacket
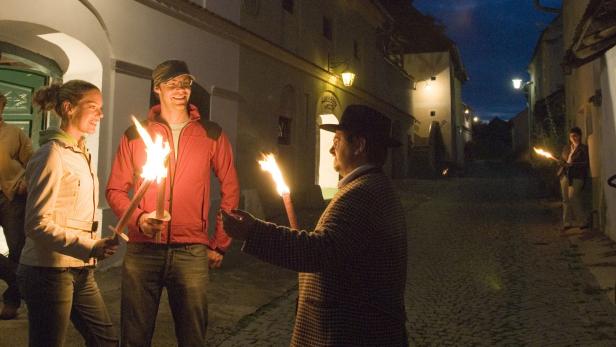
{"x": 62, "y": 199}
{"x": 15, "y": 151}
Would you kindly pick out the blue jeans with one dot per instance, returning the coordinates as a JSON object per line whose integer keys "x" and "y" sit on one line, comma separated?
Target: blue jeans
{"x": 12, "y": 222}
{"x": 183, "y": 270}
{"x": 55, "y": 295}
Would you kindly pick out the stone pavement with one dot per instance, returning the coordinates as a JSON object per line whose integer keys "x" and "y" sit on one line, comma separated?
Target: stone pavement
{"x": 235, "y": 291}
{"x": 487, "y": 266}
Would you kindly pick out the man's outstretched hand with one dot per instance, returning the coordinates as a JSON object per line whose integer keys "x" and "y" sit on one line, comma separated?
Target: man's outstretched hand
{"x": 238, "y": 224}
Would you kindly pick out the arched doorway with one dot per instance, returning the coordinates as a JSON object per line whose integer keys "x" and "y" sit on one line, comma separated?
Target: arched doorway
{"x": 59, "y": 57}
{"x": 328, "y": 112}
{"x": 22, "y": 72}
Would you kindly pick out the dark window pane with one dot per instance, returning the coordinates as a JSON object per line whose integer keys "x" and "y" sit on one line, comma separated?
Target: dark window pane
{"x": 284, "y": 131}
{"x": 287, "y": 5}
{"x": 327, "y": 28}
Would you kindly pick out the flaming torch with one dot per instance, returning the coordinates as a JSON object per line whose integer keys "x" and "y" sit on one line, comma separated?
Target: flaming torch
{"x": 269, "y": 164}
{"x": 154, "y": 169}
{"x": 544, "y": 153}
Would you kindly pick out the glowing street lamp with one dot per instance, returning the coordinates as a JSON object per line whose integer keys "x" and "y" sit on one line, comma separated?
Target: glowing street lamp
{"x": 517, "y": 83}
{"x": 347, "y": 78}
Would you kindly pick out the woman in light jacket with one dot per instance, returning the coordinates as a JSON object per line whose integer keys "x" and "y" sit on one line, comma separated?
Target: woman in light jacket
{"x": 572, "y": 173}
{"x": 56, "y": 273}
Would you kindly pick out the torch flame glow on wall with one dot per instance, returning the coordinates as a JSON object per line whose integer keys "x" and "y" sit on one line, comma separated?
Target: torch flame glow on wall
{"x": 544, "y": 153}
{"x": 269, "y": 164}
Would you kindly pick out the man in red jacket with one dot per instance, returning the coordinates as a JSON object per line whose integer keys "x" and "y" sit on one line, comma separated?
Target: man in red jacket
{"x": 180, "y": 260}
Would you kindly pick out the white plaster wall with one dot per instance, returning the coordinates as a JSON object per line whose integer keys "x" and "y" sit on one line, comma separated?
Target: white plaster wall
{"x": 228, "y": 9}
{"x": 156, "y": 36}
{"x": 608, "y": 87}
{"x": 436, "y": 98}
{"x": 139, "y": 35}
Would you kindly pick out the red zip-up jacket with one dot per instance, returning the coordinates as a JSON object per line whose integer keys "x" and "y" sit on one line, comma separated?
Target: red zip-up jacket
{"x": 202, "y": 147}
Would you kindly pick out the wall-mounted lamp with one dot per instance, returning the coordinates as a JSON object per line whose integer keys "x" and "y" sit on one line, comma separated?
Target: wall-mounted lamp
{"x": 519, "y": 84}
{"x": 348, "y": 77}
{"x": 467, "y": 111}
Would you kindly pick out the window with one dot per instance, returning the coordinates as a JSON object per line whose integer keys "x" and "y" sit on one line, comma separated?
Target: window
{"x": 284, "y": 131}
{"x": 356, "y": 50}
{"x": 287, "y": 5}
{"x": 327, "y": 28}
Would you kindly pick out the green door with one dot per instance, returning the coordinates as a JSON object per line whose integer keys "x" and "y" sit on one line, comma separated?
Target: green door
{"x": 18, "y": 86}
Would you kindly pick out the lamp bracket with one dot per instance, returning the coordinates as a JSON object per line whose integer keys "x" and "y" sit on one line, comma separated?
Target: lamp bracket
{"x": 335, "y": 62}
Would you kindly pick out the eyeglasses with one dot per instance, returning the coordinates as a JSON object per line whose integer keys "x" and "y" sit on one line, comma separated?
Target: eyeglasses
{"x": 178, "y": 84}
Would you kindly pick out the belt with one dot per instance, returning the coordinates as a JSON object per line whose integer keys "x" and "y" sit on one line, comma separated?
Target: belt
{"x": 90, "y": 226}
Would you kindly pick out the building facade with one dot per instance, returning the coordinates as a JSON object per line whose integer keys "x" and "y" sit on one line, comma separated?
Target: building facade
{"x": 586, "y": 67}
{"x": 268, "y": 71}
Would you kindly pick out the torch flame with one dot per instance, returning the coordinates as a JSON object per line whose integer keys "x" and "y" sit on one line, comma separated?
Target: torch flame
{"x": 269, "y": 164}
{"x": 544, "y": 153}
{"x": 157, "y": 152}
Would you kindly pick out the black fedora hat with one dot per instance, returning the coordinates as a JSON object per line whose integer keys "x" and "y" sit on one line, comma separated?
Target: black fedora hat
{"x": 364, "y": 120}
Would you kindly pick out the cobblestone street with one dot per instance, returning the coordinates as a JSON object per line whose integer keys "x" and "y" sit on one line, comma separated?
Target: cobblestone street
{"x": 488, "y": 266}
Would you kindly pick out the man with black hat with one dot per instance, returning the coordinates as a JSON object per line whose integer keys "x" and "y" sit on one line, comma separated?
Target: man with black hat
{"x": 352, "y": 266}
{"x": 174, "y": 254}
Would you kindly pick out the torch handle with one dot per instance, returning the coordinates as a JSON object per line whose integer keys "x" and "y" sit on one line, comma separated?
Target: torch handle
{"x": 288, "y": 206}
{"x": 160, "y": 199}
{"x": 133, "y": 205}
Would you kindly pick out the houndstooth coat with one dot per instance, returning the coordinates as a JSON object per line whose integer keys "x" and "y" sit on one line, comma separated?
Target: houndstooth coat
{"x": 352, "y": 267}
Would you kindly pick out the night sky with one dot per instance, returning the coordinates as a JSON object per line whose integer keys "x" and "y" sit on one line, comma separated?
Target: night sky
{"x": 496, "y": 39}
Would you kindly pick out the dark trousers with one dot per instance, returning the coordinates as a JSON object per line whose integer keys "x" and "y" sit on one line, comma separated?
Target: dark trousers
{"x": 183, "y": 270}
{"x": 12, "y": 222}
{"x": 56, "y": 295}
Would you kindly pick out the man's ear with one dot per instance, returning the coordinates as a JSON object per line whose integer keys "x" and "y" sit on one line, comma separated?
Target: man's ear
{"x": 360, "y": 145}
{"x": 157, "y": 91}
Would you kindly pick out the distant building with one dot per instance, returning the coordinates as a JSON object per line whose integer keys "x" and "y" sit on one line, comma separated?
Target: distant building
{"x": 574, "y": 84}
{"x": 546, "y": 92}
{"x": 520, "y": 135}
{"x": 589, "y": 35}
{"x": 421, "y": 48}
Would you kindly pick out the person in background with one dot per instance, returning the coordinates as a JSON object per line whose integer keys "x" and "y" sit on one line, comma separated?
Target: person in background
{"x": 15, "y": 151}
{"x": 181, "y": 258}
{"x": 572, "y": 172}
{"x": 352, "y": 266}
{"x": 56, "y": 271}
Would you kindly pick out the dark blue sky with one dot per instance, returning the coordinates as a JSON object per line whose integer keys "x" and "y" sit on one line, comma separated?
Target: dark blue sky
{"x": 496, "y": 39}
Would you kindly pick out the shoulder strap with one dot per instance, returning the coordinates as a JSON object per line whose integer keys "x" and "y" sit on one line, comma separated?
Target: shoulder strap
{"x": 212, "y": 129}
